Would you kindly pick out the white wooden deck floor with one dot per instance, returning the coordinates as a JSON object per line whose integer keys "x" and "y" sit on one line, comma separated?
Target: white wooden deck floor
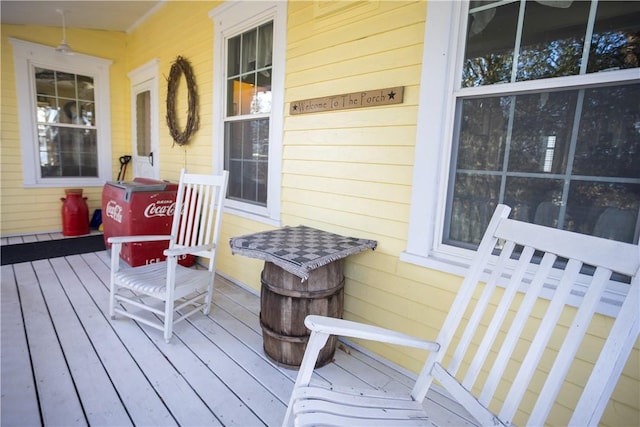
{"x": 64, "y": 362}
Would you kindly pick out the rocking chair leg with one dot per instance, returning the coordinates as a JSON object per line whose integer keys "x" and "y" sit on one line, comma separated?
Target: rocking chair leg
{"x": 168, "y": 320}
{"x": 207, "y": 300}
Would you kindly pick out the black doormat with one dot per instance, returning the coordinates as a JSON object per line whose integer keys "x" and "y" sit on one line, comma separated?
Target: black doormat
{"x": 25, "y": 252}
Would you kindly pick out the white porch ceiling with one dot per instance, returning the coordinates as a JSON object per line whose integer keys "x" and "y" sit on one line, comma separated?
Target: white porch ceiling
{"x": 112, "y": 15}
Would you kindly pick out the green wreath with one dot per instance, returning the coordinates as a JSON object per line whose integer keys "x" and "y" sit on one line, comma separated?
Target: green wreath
{"x": 181, "y": 66}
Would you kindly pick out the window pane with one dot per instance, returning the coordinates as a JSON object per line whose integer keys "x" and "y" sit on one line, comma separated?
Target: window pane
{"x": 246, "y": 95}
{"x": 88, "y": 113}
{"x": 491, "y": 36}
{"x": 233, "y": 97}
{"x": 85, "y": 88}
{"x": 609, "y": 137}
{"x": 143, "y": 123}
{"x": 45, "y": 82}
{"x": 68, "y": 152}
{"x": 552, "y": 39}
{"x": 616, "y": 36}
{"x": 474, "y": 199}
{"x": 570, "y": 157}
{"x": 483, "y": 133}
{"x": 66, "y": 85}
{"x": 534, "y": 200}
{"x": 233, "y": 56}
{"x": 247, "y": 159}
{"x": 265, "y": 46}
{"x": 542, "y": 128}
{"x": 247, "y": 92}
{"x": 604, "y": 209}
{"x": 248, "y": 52}
{"x": 47, "y": 110}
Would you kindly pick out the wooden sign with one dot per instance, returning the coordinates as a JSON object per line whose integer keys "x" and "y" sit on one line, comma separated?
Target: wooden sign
{"x": 369, "y": 98}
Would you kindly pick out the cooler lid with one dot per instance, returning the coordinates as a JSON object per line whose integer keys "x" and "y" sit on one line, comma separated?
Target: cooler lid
{"x": 142, "y": 185}
{"x": 134, "y": 187}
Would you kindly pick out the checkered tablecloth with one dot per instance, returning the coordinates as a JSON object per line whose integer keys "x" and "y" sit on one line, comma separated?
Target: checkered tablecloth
{"x": 298, "y": 250}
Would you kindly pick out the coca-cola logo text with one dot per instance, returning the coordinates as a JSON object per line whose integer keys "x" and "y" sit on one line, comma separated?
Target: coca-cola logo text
{"x": 114, "y": 211}
{"x": 160, "y": 208}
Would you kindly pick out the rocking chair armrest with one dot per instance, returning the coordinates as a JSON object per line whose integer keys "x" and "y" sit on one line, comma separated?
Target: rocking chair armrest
{"x": 347, "y": 328}
{"x": 188, "y": 250}
{"x": 141, "y": 238}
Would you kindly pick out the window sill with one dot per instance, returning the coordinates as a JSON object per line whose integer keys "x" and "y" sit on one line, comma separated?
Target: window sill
{"x": 252, "y": 216}
{"x": 66, "y": 183}
{"x": 609, "y": 305}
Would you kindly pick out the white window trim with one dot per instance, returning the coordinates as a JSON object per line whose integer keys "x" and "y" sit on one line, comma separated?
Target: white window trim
{"x": 28, "y": 55}
{"x": 433, "y": 143}
{"x": 230, "y": 19}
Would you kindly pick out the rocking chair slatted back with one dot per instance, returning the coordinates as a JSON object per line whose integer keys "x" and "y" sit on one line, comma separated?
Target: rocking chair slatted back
{"x": 495, "y": 317}
{"x": 199, "y": 223}
{"x": 522, "y": 343}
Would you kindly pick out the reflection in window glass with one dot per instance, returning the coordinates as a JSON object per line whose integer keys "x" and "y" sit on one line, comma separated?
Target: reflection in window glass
{"x": 615, "y": 43}
{"x": 247, "y": 160}
{"x": 609, "y": 133}
{"x": 551, "y": 40}
{"x": 249, "y": 64}
{"x": 567, "y": 159}
{"x": 541, "y": 132}
{"x": 67, "y": 135}
{"x": 143, "y": 123}
{"x": 561, "y": 158}
{"x": 490, "y": 42}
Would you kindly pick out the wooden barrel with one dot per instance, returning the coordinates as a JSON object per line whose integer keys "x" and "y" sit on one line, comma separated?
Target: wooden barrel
{"x": 285, "y": 301}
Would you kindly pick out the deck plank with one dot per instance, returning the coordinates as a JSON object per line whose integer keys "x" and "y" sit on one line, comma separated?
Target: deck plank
{"x": 59, "y": 402}
{"x": 18, "y": 388}
{"x": 181, "y": 400}
{"x": 98, "y": 396}
{"x": 143, "y": 403}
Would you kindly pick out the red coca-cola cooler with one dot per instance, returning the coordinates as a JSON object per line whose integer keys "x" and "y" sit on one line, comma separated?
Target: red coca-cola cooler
{"x": 140, "y": 207}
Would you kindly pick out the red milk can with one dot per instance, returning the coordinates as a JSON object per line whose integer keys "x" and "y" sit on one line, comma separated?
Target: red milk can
{"x": 75, "y": 213}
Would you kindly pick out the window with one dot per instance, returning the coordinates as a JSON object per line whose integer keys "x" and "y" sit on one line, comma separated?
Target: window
{"x": 246, "y": 129}
{"x": 65, "y": 120}
{"x": 248, "y": 105}
{"x": 538, "y": 110}
{"x": 64, "y": 116}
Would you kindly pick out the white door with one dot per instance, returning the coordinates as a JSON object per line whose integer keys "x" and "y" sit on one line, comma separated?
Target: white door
{"x": 145, "y": 160}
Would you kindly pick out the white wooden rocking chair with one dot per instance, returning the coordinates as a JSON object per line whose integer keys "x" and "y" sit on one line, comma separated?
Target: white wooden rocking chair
{"x": 167, "y": 289}
{"x": 499, "y": 339}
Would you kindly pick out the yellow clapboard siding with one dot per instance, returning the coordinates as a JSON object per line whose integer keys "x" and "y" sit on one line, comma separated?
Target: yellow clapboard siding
{"x": 393, "y": 116}
{"x": 349, "y": 154}
{"x": 382, "y": 191}
{"x": 405, "y": 57}
{"x": 395, "y": 39}
{"x": 374, "y": 79}
{"x": 384, "y": 136}
{"x": 305, "y": 38}
{"x": 617, "y": 415}
{"x": 418, "y": 298}
{"x": 394, "y": 174}
{"x": 381, "y": 208}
